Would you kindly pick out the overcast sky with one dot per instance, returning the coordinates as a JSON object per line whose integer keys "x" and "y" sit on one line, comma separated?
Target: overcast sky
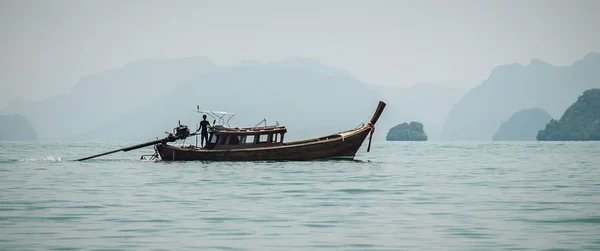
{"x": 47, "y": 46}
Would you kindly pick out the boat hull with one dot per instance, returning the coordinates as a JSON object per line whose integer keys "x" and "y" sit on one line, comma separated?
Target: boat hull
{"x": 342, "y": 146}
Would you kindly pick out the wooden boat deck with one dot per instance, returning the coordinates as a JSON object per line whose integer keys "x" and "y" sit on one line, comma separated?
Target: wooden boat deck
{"x": 338, "y": 135}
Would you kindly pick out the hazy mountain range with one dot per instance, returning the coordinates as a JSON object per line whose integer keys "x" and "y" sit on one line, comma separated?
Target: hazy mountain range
{"x": 146, "y": 98}
{"x": 513, "y": 87}
{"x": 103, "y": 96}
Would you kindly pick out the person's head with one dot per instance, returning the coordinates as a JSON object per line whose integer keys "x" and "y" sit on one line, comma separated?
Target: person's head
{"x": 204, "y": 116}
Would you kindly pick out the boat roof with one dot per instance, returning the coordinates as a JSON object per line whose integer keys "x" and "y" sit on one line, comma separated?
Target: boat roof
{"x": 223, "y": 121}
{"x": 253, "y": 130}
{"x": 216, "y": 112}
{"x": 218, "y": 115}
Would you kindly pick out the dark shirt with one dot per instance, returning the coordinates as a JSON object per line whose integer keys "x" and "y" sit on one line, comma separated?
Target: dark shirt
{"x": 203, "y": 125}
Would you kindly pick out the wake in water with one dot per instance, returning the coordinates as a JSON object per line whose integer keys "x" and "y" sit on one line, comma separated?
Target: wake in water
{"x": 56, "y": 159}
{"x": 46, "y": 159}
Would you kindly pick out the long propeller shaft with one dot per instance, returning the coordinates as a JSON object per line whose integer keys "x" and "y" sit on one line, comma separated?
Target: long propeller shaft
{"x": 149, "y": 143}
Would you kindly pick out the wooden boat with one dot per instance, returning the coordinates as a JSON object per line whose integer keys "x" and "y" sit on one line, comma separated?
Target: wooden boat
{"x": 260, "y": 143}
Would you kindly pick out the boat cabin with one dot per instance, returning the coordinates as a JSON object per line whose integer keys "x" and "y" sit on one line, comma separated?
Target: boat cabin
{"x": 242, "y": 138}
{"x": 222, "y": 136}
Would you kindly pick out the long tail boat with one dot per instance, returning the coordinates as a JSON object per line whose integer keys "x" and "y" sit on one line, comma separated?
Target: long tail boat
{"x": 258, "y": 143}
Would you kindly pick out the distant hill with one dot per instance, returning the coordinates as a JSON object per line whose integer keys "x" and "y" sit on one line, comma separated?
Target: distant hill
{"x": 523, "y": 125}
{"x": 308, "y": 97}
{"x": 104, "y": 96}
{"x": 581, "y": 121}
{"x": 423, "y": 102}
{"x": 16, "y": 128}
{"x": 511, "y": 88}
{"x": 147, "y": 97}
{"x": 412, "y": 131}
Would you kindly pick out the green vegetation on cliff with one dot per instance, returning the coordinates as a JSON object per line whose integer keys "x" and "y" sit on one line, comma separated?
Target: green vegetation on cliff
{"x": 16, "y": 127}
{"x": 581, "y": 121}
{"x": 412, "y": 131}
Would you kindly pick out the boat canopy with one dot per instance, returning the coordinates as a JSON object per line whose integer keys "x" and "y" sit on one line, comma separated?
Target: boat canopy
{"x": 253, "y": 130}
{"x": 221, "y": 117}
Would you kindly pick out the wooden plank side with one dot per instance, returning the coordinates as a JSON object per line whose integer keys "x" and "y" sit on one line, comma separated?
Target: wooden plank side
{"x": 346, "y": 147}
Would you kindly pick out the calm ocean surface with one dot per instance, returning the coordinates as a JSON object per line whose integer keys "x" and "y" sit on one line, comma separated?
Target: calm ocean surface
{"x": 400, "y": 196}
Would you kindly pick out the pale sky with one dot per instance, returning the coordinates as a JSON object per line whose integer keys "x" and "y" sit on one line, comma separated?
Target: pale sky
{"x": 47, "y": 46}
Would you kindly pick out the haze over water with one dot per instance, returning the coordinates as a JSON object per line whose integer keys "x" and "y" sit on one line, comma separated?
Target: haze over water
{"x": 400, "y": 196}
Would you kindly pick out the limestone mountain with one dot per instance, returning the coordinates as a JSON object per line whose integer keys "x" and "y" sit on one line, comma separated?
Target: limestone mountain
{"x": 147, "y": 97}
{"x": 581, "y": 121}
{"x": 412, "y": 131}
{"x": 422, "y": 102}
{"x": 306, "y": 96}
{"x": 523, "y": 125}
{"x": 511, "y": 88}
{"x": 16, "y": 128}
{"x": 106, "y": 95}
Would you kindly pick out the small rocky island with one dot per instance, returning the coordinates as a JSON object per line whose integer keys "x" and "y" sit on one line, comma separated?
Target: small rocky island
{"x": 523, "y": 125}
{"x": 412, "y": 131}
{"x": 16, "y": 128}
{"x": 580, "y": 122}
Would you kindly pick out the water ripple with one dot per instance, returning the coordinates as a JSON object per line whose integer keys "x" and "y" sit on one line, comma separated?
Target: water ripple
{"x": 400, "y": 196}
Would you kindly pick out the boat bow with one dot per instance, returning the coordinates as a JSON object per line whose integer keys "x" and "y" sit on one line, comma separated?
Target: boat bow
{"x": 374, "y": 119}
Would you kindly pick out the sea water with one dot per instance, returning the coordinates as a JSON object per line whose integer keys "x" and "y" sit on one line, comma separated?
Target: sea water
{"x": 399, "y": 196}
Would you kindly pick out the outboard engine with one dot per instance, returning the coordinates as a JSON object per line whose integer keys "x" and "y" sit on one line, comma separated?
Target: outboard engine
{"x": 181, "y": 131}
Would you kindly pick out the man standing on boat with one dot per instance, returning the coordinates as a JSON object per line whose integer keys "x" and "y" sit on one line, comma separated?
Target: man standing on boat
{"x": 204, "y": 125}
